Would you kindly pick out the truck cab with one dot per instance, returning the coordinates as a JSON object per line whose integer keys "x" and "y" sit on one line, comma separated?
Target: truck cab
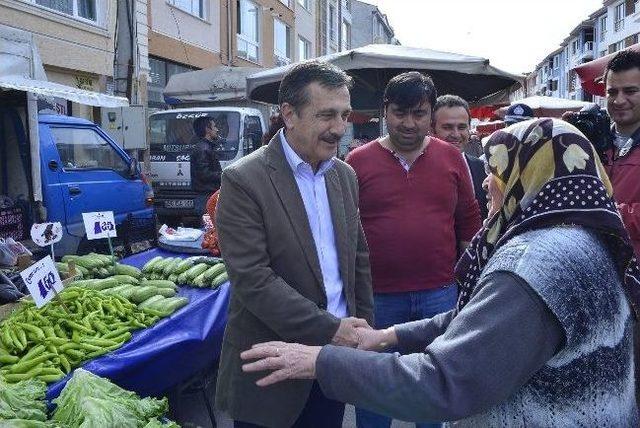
{"x": 172, "y": 140}
{"x": 81, "y": 169}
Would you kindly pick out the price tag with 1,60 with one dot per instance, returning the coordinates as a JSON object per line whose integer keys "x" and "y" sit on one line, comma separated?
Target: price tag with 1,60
{"x": 43, "y": 281}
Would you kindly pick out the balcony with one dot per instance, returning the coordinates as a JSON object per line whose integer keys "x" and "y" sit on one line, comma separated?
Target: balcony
{"x": 587, "y": 51}
{"x": 618, "y": 25}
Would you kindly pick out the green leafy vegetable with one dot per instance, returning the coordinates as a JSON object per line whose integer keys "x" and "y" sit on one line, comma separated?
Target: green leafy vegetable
{"x": 89, "y": 401}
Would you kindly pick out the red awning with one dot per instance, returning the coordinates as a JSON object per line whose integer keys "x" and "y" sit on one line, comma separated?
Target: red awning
{"x": 591, "y": 72}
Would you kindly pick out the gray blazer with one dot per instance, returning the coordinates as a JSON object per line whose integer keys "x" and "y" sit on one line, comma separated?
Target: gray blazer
{"x": 277, "y": 292}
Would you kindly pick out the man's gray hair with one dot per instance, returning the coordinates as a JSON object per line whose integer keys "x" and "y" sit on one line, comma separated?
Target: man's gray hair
{"x": 293, "y": 88}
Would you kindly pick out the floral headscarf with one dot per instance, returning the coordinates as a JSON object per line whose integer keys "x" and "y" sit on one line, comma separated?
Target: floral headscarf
{"x": 550, "y": 175}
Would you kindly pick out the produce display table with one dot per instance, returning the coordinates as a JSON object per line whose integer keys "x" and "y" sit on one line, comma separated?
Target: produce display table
{"x": 170, "y": 351}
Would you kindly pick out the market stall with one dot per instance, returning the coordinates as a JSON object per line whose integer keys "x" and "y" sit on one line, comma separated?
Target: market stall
{"x": 172, "y": 350}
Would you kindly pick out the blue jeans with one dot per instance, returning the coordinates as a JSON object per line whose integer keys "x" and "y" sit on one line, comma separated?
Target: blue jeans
{"x": 398, "y": 308}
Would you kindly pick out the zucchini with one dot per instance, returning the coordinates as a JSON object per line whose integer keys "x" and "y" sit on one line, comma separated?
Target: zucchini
{"x": 84, "y": 283}
{"x": 159, "y": 283}
{"x": 219, "y": 280}
{"x": 169, "y": 305}
{"x": 102, "y": 284}
{"x": 213, "y": 271}
{"x": 166, "y": 292}
{"x": 193, "y": 272}
{"x": 122, "y": 269}
{"x": 171, "y": 267}
{"x": 159, "y": 267}
{"x": 199, "y": 280}
{"x": 143, "y": 293}
{"x": 150, "y": 301}
{"x": 150, "y": 265}
{"x": 184, "y": 265}
{"x": 103, "y": 273}
{"x": 126, "y": 279}
{"x": 128, "y": 291}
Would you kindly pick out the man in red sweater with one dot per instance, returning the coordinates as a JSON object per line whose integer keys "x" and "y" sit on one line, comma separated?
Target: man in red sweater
{"x": 418, "y": 211}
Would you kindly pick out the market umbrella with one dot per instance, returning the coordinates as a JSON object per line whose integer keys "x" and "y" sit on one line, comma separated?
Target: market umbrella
{"x": 592, "y": 72}
{"x": 373, "y": 66}
{"x": 547, "y": 106}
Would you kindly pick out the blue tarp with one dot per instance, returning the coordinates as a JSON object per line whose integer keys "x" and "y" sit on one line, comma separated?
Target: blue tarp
{"x": 172, "y": 350}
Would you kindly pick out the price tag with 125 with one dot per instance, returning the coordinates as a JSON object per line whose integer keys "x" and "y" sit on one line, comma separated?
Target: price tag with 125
{"x": 43, "y": 281}
{"x": 99, "y": 225}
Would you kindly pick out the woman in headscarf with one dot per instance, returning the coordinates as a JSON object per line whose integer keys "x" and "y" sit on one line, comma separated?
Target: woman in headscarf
{"x": 541, "y": 335}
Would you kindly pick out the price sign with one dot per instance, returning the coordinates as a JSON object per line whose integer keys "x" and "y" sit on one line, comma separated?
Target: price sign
{"x": 43, "y": 280}
{"x": 99, "y": 225}
{"x": 45, "y": 234}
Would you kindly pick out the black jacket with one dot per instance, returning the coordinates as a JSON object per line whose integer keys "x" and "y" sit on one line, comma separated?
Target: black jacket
{"x": 205, "y": 167}
{"x": 478, "y": 175}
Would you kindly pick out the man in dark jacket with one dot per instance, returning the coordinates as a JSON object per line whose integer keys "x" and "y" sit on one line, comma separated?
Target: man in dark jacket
{"x": 205, "y": 165}
{"x": 451, "y": 123}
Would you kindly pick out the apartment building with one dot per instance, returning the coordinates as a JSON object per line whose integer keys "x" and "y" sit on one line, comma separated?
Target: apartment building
{"x": 615, "y": 26}
{"x": 333, "y": 26}
{"x": 75, "y": 39}
{"x": 370, "y": 26}
{"x": 305, "y": 42}
{"x": 183, "y": 35}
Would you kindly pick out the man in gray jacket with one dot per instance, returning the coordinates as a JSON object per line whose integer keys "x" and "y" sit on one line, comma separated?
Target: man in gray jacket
{"x": 291, "y": 237}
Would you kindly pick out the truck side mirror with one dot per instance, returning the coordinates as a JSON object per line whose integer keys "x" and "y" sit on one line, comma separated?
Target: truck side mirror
{"x": 133, "y": 168}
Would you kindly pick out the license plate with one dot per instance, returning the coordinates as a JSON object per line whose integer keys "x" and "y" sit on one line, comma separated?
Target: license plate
{"x": 178, "y": 203}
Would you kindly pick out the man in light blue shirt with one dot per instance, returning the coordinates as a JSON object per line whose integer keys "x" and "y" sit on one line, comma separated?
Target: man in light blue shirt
{"x": 316, "y": 203}
{"x": 295, "y": 251}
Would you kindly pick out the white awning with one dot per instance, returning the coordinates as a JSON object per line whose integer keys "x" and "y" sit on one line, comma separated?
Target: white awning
{"x": 50, "y": 89}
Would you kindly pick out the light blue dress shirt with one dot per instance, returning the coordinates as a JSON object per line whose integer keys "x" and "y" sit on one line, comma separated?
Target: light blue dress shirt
{"x": 316, "y": 203}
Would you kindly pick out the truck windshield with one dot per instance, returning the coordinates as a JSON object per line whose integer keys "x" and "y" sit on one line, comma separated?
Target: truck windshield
{"x": 173, "y": 132}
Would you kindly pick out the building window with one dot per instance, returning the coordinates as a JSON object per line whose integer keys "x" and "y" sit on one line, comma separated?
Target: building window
{"x": 85, "y": 9}
{"x": 159, "y": 75}
{"x": 556, "y": 62}
{"x": 618, "y": 17}
{"x": 346, "y": 36}
{"x": 332, "y": 23}
{"x": 194, "y": 7}
{"x": 281, "y": 43}
{"x": 574, "y": 47}
{"x": 619, "y": 46}
{"x": 305, "y": 3}
{"x": 304, "y": 49}
{"x": 248, "y": 34}
{"x": 603, "y": 27}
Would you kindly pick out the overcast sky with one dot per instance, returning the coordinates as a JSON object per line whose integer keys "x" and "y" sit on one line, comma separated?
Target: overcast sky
{"x": 514, "y": 35}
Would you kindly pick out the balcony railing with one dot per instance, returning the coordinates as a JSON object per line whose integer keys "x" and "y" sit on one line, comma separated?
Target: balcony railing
{"x": 588, "y": 47}
{"x": 618, "y": 25}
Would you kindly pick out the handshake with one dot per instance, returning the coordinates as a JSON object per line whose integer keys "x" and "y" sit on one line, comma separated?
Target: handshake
{"x": 357, "y": 333}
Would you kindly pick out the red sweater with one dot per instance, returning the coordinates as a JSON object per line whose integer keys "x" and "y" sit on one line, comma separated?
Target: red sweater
{"x": 413, "y": 220}
{"x": 624, "y": 173}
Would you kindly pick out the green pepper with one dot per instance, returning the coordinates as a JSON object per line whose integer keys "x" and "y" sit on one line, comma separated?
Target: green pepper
{"x": 8, "y": 359}
{"x": 25, "y": 366}
{"x": 37, "y": 331}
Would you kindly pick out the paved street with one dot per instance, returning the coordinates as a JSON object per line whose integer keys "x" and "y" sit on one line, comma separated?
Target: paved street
{"x": 349, "y": 420}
